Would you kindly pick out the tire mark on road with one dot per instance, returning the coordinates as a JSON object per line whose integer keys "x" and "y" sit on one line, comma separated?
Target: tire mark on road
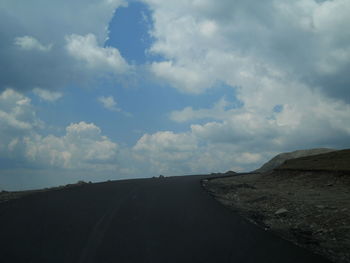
{"x": 98, "y": 232}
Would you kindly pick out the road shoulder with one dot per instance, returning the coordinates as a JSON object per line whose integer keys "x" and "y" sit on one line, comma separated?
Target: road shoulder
{"x": 310, "y": 209}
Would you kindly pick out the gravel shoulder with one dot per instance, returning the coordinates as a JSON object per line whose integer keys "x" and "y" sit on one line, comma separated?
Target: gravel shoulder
{"x": 308, "y": 208}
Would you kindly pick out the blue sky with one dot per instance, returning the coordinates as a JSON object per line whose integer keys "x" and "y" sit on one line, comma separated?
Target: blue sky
{"x": 129, "y": 29}
{"x": 96, "y": 90}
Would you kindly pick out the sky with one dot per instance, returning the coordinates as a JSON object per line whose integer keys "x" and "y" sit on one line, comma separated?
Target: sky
{"x": 100, "y": 90}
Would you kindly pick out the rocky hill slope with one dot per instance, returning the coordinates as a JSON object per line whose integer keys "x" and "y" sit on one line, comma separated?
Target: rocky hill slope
{"x": 305, "y": 200}
{"x": 336, "y": 161}
{"x": 282, "y": 157}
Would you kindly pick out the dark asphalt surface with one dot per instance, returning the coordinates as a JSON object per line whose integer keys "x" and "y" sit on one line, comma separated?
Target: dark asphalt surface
{"x": 145, "y": 220}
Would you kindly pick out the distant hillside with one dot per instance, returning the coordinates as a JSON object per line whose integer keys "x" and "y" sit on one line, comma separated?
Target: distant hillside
{"x": 332, "y": 161}
{"x": 282, "y": 157}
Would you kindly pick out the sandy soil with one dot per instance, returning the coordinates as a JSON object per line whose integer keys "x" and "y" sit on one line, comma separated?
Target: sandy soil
{"x": 309, "y": 208}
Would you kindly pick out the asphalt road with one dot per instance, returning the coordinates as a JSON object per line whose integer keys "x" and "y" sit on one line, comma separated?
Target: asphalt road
{"x": 145, "y": 220}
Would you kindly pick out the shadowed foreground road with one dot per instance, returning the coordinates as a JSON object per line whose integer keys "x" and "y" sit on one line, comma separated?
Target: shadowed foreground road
{"x": 146, "y": 220}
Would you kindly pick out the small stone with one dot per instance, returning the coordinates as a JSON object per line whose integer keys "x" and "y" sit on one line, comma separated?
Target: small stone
{"x": 281, "y": 211}
{"x": 320, "y": 231}
{"x": 320, "y": 206}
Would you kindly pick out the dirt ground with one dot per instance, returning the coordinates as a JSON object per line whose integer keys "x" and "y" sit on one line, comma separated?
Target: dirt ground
{"x": 10, "y": 195}
{"x": 309, "y": 208}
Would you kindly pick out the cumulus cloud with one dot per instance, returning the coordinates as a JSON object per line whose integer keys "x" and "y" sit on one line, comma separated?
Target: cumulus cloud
{"x": 68, "y": 36}
{"x": 185, "y": 153}
{"x": 81, "y": 147}
{"x": 291, "y": 54}
{"x": 165, "y": 151}
{"x": 219, "y": 111}
{"x": 16, "y": 112}
{"x": 86, "y": 49}
{"x": 167, "y": 142}
{"x": 180, "y": 77}
{"x": 109, "y": 103}
{"x": 17, "y": 119}
{"x": 242, "y": 139}
{"x": 47, "y": 95}
{"x": 303, "y": 40}
{"x": 31, "y": 43}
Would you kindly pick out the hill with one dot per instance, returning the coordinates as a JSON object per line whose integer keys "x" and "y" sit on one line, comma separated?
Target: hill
{"x": 332, "y": 161}
{"x": 282, "y": 157}
{"x": 305, "y": 200}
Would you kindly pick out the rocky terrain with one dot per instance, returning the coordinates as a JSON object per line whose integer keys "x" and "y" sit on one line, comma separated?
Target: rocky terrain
{"x": 282, "y": 157}
{"x": 305, "y": 200}
{"x": 10, "y": 195}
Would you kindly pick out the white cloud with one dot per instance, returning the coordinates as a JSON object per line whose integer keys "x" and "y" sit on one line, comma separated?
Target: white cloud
{"x": 31, "y": 43}
{"x": 109, "y": 103}
{"x": 16, "y": 112}
{"x": 185, "y": 153}
{"x": 17, "y": 119}
{"x": 181, "y": 77}
{"x": 82, "y": 147}
{"x": 165, "y": 152}
{"x": 218, "y": 112}
{"x": 242, "y": 139}
{"x": 208, "y": 28}
{"x": 166, "y": 141}
{"x": 35, "y": 41}
{"x": 303, "y": 40}
{"x": 47, "y": 95}
{"x": 295, "y": 54}
{"x": 86, "y": 49}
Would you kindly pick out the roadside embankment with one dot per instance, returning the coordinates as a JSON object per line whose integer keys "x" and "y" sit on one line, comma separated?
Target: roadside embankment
{"x": 309, "y": 208}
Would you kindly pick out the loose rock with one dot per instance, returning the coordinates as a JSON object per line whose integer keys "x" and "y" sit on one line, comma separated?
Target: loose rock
{"x": 281, "y": 211}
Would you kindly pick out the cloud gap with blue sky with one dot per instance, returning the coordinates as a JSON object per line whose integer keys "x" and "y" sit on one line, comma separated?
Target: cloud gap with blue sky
{"x": 95, "y": 90}
{"x": 129, "y": 32}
